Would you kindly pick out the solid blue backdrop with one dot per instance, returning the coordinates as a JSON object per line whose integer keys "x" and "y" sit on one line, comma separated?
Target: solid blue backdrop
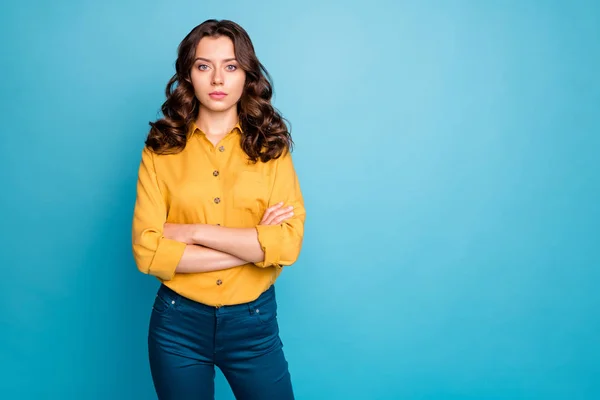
{"x": 447, "y": 151}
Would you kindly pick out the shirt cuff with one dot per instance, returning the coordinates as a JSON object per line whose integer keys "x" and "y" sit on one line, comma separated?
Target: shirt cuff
{"x": 167, "y": 257}
{"x": 270, "y": 238}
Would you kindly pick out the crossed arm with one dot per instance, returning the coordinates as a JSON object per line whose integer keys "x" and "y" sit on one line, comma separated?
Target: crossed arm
{"x": 213, "y": 248}
{"x": 164, "y": 249}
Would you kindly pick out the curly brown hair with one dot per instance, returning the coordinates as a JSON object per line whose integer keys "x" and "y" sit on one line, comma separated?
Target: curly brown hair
{"x": 265, "y": 135}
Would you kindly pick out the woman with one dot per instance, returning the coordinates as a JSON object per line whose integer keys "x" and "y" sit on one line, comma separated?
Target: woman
{"x": 218, "y": 214}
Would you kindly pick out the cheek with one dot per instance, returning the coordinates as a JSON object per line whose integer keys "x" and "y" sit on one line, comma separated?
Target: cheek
{"x": 238, "y": 85}
{"x": 198, "y": 82}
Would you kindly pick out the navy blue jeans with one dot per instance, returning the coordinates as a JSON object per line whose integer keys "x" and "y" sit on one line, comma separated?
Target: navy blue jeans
{"x": 187, "y": 339}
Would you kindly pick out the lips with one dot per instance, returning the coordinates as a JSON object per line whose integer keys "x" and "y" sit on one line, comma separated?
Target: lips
{"x": 217, "y": 95}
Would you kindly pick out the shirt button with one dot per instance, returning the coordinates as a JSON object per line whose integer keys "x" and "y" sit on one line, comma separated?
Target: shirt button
{"x": 217, "y": 200}
{"x": 221, "y": 149}
{"x": 215, "y": 173}
{"x": 219, "y": 281}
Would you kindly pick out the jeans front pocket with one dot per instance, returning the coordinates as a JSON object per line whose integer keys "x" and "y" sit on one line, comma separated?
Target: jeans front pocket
{"x": 266, "y": 312}
{"x": 163, "y": 301}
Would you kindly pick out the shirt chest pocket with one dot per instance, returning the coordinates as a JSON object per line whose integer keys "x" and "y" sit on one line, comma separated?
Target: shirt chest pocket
{"x": 250, "y": 192}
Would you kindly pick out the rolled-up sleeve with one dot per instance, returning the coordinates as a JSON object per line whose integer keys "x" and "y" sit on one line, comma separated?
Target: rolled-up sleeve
{"x": 282, "y": 243}
{"x": 153, "y": 253}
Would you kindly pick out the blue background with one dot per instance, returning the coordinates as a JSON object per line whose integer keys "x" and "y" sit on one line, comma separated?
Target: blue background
{"x": 448, "y": 152}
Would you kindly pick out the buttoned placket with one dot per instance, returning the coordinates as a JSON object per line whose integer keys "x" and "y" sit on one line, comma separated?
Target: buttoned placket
{"x": 218, "y": 154}
{"x": 217, "y": 157}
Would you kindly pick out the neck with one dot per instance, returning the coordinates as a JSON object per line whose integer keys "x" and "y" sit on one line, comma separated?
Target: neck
{"x": 216, "y": 123}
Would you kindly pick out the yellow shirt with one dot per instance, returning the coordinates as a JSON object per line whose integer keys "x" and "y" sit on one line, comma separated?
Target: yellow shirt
{"x": 207, "y": 184}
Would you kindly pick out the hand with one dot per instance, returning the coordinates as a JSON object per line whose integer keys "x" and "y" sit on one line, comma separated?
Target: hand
{"x": 179, "y": 232}
{"x": 276, "y": 214}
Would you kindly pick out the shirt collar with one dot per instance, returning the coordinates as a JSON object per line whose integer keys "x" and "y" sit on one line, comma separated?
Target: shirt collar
{"x": 194, "y": 128}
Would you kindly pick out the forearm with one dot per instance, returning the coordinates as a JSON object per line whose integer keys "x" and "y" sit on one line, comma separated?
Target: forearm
{"x": 202, "y": 259}
{"x": 239, "y": 242}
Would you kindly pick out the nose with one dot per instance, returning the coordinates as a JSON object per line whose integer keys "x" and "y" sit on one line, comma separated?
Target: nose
{"x": 217, "y": 78}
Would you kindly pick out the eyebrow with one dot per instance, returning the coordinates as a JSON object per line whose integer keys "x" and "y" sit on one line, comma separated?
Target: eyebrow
{"x": 210, "y": 61}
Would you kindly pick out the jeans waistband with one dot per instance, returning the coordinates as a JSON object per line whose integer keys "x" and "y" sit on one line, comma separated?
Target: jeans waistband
{"x": 170, "y": 295}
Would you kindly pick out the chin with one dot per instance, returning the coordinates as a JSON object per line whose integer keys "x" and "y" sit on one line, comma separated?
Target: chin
{"x": 215, "y": 106}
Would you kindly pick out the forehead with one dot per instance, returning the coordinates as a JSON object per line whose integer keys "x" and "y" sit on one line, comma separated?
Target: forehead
{"x": 215, "y": 48}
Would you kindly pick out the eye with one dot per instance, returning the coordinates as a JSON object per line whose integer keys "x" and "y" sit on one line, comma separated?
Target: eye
{"x": 200, "y": 67}
{"x": 232, "y": 69}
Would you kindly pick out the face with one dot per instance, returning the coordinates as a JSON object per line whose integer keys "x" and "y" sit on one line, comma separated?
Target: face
{"x": 217, "y": 78}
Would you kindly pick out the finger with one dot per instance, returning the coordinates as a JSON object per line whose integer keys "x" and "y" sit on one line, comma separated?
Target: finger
{"x": 274, "y": 207}
{"x": 278, "y": 213}
{"x": 279, "y": 221}
{"x": 282, "y": 218}
{"x": 270, "y": 219}
{"x": 271, "y": 212}
{"x": 282, "y": 211}
{"x": 267, "y": 218}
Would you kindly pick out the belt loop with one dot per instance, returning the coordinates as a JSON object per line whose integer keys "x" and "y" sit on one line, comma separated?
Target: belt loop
{"x": 251, "y": 307}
